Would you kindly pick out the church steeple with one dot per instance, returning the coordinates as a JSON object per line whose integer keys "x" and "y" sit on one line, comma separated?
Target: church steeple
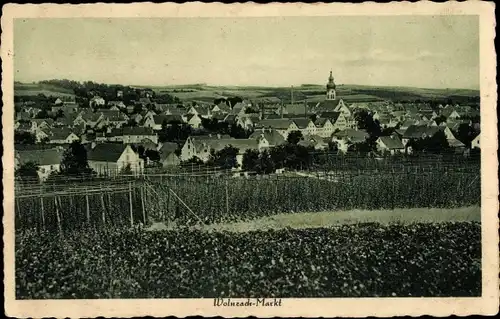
{"x": 330, "y": 88}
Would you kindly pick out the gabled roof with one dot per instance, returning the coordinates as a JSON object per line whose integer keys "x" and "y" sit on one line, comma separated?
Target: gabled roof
{"x": 420, "y": 131}
{"x": 352, "y": 135}
{"x": 217, "y": 144}
{"x": 90, "y": 116}
{"x": 40, "y": 157}
{"x": 113, "y": 115}
{"x": 455, "y": 143}
{"x": 320, "y": 122}
{"x": 275, "y": 123}
{"x": 272, "y": 136}
{"x": 301, "y": 123}
{"x": 328, "y": 105}
{"x": 332, "y": 116}
{"x": 60, "y": 133}
{"x": 392, "y": 142}
{"x": 168, "y": 147}
{"x": 106, "y": 152}
{"x": 137, "y": 131}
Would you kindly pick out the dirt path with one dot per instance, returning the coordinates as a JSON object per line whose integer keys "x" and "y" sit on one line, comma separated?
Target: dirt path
{"x": 327, "y": 219}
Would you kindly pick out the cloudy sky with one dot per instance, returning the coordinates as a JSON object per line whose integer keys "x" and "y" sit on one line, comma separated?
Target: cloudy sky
{"x": 425, "y": 51}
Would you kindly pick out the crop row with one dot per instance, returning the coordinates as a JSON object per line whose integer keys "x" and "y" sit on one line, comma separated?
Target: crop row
{"x": 209, "y": 199}
{"x": 363, "y": 260}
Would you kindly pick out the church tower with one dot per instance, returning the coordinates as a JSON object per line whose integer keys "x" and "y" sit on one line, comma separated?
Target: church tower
{"x": 330, "y": 88}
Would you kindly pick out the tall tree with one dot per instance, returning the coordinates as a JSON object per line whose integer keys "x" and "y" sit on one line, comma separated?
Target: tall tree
{"x": 294, "y": 137}
{"x": 224, "y": 158}
{"x": 27, "y": 170}
{"x": 74, "y": 160}
{"x": 24, "y": 138}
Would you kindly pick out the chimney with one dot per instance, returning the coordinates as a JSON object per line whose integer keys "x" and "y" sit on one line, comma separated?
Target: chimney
{"x": 292, "y": 94}
{"x": 305, "y": 107}
{"x": 281, "y": 109}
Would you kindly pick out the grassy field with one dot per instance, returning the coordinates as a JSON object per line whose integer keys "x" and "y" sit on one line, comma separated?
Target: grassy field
{"x": 329, "y": 219}
{"x": 25, "y": 89}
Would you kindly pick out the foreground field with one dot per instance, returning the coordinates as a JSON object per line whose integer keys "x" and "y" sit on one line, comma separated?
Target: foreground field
{"x": 440, "y": 259}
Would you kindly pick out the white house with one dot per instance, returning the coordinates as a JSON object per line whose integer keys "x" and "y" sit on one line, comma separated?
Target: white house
{"x": 391, "y": 144}
{"x": 48, "y": 160}
{"x": 113, "y": 158}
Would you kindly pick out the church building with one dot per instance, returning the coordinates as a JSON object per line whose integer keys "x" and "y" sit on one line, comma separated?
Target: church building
{"x": 332, "y": 103}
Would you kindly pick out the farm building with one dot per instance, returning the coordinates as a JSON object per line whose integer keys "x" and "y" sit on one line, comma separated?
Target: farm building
{"x": 391, "y": 144}
{"x": 168, "y": 157}
{"x": 348, "y": 137}
{"x": 48, "y": 160}
{"x": 272, "y": 136}
{"x": 62, "y": 136}
{"x": 112, "y": 158}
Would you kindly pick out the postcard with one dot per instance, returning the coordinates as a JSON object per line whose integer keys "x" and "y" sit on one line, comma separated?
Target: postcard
{"x": 291, "y": 160}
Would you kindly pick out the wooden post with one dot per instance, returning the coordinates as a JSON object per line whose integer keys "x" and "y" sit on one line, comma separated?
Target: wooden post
{"x": 227, "y": 198}
{"x": 103, "y": 210}
{"x": 42, "y": 212}
{"x": 88, "y": 206}
{"x": 142, "y": 204}
{"x": 57, "y": 215}
{"x": 130, "y": 203}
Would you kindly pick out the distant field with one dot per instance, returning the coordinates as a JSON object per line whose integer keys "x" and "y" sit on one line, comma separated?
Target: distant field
{"x": 23, "y": 89}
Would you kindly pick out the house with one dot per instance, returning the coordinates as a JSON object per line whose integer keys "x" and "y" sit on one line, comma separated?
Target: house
{"x": 42, "y": 134}
{"x": 135, "y": 135}
{"x": 37, "y": 124}
{"x": 168, "y": 157}
{"x": 193, "y": 120}
{"x": 348, "y": 137}
{"x": 475, "y": 142}
{"x": 305, "y": 125}
{"x": 324, "y": 127}
{"x": 48, "y": 160}
{"x": 113, "y": 118}
{"x": 450, "y": 113}
{"x": 118, "y": 104}
{"x": 415, "y": 132}
{"x": 154, "y": 121}
{"x": 112, "y": 158}
{"x": 391, "y": 144}
{"x": 314, "y": 141}
{"x": 338, "y": 120}
{"x": 238, "y": 109}
{"x": 58, "y": 101}
{"x": 452, "y": 140}
{"x": 201, "y": 146}
{"x": 282, "y": 126}
{"x": 97, "y": 101}
{"x": 62, "y": 136}
{"x": 247, "y": 121}
{"x": 88, "y": 118}
{"x": 273, "y": 137}
{"x": 222, "y": 107}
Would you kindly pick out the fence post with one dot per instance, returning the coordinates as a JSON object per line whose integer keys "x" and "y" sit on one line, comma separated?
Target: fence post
{"x": 142, "y": 204}
{"x": 88, "y": 206}
{"x": 59, "y": 226}
{"x": 227, "y": 198}
{"x": 130, "y": 204}
{"x": 42, "y": 212}
{"x": 103, "y": 210}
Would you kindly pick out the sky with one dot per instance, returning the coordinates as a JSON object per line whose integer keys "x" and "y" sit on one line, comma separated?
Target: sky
{"x": 418, "y": 51}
